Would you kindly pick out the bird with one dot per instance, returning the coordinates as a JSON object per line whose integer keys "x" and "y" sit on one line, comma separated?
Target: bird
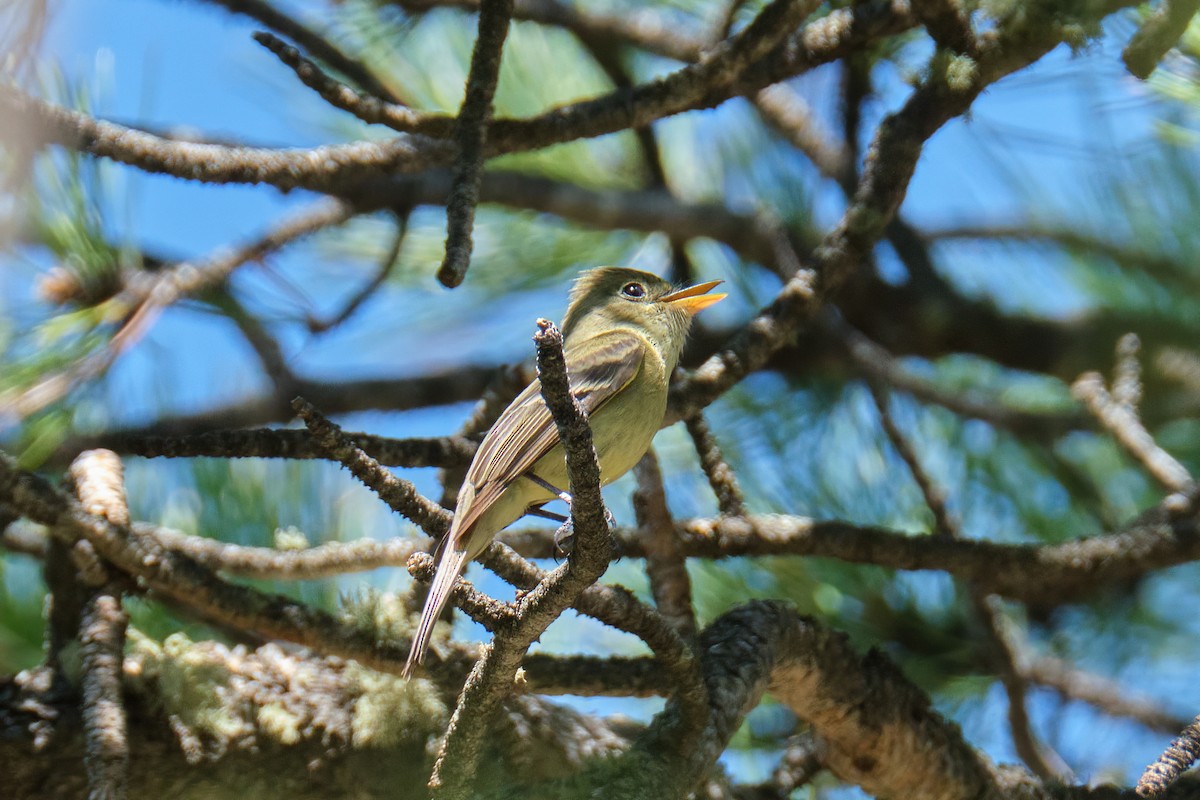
{"x": 623, "y": 333}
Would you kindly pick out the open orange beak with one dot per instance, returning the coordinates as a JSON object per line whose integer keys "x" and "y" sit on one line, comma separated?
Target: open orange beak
{"x": 694, "y": 299}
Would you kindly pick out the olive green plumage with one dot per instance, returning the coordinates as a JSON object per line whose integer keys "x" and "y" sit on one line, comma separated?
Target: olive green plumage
{"x": 624, "y": 330}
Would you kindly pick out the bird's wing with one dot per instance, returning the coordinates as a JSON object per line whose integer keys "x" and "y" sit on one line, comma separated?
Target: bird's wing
{"x": 526, "y": 431}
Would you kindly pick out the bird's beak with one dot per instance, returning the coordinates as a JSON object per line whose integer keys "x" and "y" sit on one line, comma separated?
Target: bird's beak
{"x": 694, "y": 298}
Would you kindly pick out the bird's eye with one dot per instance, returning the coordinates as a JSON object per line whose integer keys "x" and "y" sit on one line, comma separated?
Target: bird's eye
{"x": 633, "y": 290}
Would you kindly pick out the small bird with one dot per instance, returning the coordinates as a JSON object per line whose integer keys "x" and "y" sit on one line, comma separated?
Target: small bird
{"x": 623, "y": 332}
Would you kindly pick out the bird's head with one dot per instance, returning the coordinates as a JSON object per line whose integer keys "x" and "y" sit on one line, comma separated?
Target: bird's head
{"x": 609, "y": 298}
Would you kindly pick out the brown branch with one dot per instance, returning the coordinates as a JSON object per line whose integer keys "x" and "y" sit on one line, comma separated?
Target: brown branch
{"x": 737, "y": 66}
{"x": 641, "y": 28}
{"x": 287, "y": 25}
{"x": 470, "y": 133}
{"x": 1158, "y": 34}
{"x": 879, "y": 729}
{"x": 146, "y": 294}
{"x": 720, "y": 475}
{"x": 1123, "y": 423}
{"x": 437, "y": 451}
{"x": 880, "y": 365}
{"x": 98, "y": 478}
{"x": 458, "y": 758}
{"x": 400, "y": 495}
{"x": 389, "y": 263}
{"x": 1072, "y": 683}
{"x": 1182, "y": 753}
{"x": 665, "y": 565}
{"x": 370, "y": 108}
{"x": 1039, "y": 575}
{"x": 265, "y": 563}
{"x": 175, "y": 577}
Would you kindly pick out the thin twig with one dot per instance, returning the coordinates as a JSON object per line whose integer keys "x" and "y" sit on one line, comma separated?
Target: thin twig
{"x": 1125, "y": 426}
{"x": 488, "y": 612}
{"x": 634, "y": 27}
{"x": 264, "y": 344}
{"x": 1127, "y": 373}
{"x": 147, "y": 294}
{"x": 437, "y": 451}
{"x": 933, "y": 494}
{"x": 389, "y": 263}
{"x": 665, "y": 565}
{"x": 1003, "y": 642}
{"x": 288, "y": 25}
{"x": 470, "y": 133}
{"x": 880, "y": 365}
{"x": 266, "y": 563}
{"x": 400, "y": 495}
{"x": 1072, "y": 683}
{"x": 720, "y": 475}
{"x": 369, "y": 108}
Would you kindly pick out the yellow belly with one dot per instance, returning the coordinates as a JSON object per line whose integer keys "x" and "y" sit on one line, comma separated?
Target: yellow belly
{"x": 622, "y": 430}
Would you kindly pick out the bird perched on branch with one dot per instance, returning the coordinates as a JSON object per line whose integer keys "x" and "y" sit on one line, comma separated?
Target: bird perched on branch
{"x": 623, "y": 333}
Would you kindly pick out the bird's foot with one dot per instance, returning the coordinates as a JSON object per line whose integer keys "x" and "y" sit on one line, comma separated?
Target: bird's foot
{"x": 564, "y": 537}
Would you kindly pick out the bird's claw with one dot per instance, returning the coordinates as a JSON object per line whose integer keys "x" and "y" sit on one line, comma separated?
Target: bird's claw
{"x": 564, "y": 539}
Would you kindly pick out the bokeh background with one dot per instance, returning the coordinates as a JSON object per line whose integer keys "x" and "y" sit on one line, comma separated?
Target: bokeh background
{"x": 1102, "y": 164}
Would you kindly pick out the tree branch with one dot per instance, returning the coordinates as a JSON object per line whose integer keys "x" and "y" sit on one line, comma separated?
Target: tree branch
{"x": 665, "y": 565}
{"x": 400, "y": 495}
{"x": 458, "y": 759}
{"x": 470, "y": 133}
{"x": 315, "y": 43}
{"x": 1158, "y": 34}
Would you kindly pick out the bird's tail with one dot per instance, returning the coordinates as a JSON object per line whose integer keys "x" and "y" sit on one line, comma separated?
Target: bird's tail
{"x": 449, "y": 567}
